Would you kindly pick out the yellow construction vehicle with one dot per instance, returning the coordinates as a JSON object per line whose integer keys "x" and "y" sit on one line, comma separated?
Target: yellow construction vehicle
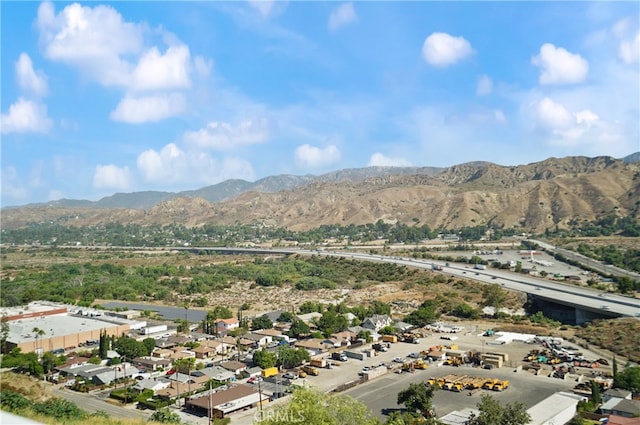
{"x": 420, "y": 364}
{"x": 489, "y": 383}
{"x": 449, "y": 384}
{"x": 500, "y": 386}
{"x": 453, "y": 361}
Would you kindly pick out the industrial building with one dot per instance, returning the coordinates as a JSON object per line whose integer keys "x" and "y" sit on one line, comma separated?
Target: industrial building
{"x": 218, "y": 404}
{"x": 40, "y": 327}
{"x": 558, "y": 408}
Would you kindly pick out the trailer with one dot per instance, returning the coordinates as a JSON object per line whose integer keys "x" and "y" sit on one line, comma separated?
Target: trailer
{"x": 153, "y": 329}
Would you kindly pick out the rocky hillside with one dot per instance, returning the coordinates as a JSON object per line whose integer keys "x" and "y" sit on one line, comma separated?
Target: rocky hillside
{"x": 532, "y": 197}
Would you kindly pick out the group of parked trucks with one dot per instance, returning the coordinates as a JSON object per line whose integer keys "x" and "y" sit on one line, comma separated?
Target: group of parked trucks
{"x": 459, "y": 383}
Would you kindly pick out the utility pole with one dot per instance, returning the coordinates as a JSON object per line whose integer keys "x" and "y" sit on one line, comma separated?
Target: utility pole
{"x": 260, "y": 399}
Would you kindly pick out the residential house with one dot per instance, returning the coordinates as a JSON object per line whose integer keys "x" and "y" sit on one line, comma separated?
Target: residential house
{"x": 162, "y": 353}
{"x": 233, "y": 366}
{"x": 401, "y": 326}
{"x": 336, "y": 342}
{"x": 261, "y": 340}
{"x": 223, "y": 326}
{"x": 275, "y": 334}
{"x": 345, "y": 335}
{"x": 218, "y": 404}
{"x": 314, "y": 346}
{"x": 377, "y": 322}
{"x": 621, "y": 407}
{"x": 151, "y": 363}
{"x": 216, "y": 373}
{"x": 204, "y": 352}
{"x": 154, "y": 385}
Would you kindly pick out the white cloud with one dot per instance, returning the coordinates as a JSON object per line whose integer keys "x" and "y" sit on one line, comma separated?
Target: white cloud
{"x": 559, "y": 66}
{"x": 91, "y": 39}
{"x": 12, "y": 186}
{"x": 380, "y": 160}
{"x": 171, "y": 165}
{"x": 202, "y": 65}
{"x": 263, "y": 6}
{"x": 552, "y": 115}
{"x": 584, "y": 129}
{"x": 136, "y": 110}
{"x": 222, "y": 135}
{"x": 26, "y": 116}
{"x": 307, "y": 156}
{"x": 629, "y": 50}
{"x": 28, "y": 79}
{"x": 442, "y": 49}
{"x": 112, "y": 177}
{"x": 156, "y": 71}
{"x": 484, "y": 85}
{"x": 341, "y": 16}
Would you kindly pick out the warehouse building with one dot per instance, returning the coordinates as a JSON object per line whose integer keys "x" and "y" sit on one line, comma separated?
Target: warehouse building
{"x": 40, "y": 327}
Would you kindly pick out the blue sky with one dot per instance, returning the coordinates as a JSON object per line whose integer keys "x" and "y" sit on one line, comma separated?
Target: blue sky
{"x": 99, "y": 98}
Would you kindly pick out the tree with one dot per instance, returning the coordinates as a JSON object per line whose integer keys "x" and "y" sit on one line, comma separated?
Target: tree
{"x": 286, "y": 316}
{"x": 595, "y": 393}
{"x": 262, "y": 322}
{"x": 39, "y": 333}
{"x": 129, "y": 348}
{"x": 184, "y": 365}
{"x": 149, "y": 344}
{"x": 387, "y": 330}
{"x": 4, "y": 333}
{"x": 331, "y": 322}
{"x": 417, "y": 398}
{"x": 165, "y": 416}
{"x": 629, "y": 379}
{"x": 494, "y": 296}
{"x": 289, "y": 357}
{"x": 313, "y": 407}
{"x": 493, "y": 413}
{"x": 298, "y": 327}
{"x": 264, "y": 358}
{"x": 103, "y": 344}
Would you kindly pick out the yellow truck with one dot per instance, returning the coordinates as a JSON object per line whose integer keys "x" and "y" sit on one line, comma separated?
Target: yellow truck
{"x": 489, "y": 383}
{"x": 500, "y": 386}
{"x": 310, "y": 370}
{"x": 270, "y": 371}
{"x": 449, "y": 385}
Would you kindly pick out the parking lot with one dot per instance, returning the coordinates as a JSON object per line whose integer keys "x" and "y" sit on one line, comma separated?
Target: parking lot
{"x": 381, "y": 393}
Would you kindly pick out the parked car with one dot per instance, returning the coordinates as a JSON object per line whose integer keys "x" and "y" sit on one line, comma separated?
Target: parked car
{"x": 290, "y": 375}
{"x": 414, "y": 355}
{"x": 254, "y": 379}
{"x": 398, "y": 360}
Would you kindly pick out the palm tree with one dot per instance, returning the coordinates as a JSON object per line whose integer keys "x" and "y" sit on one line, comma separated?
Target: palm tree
{"x": 39, "y": 333}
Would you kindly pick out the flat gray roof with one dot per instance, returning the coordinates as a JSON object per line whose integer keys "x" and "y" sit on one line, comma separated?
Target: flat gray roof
{"x": 55, "y": 325}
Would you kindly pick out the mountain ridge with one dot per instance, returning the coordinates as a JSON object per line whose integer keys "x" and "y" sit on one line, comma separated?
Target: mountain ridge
{"x": 533, "y": 196}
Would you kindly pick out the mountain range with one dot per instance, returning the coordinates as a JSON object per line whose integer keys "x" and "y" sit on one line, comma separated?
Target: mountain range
{"x": 532, "y": 197}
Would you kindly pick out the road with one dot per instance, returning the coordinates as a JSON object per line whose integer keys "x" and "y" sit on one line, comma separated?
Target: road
{"x": 596, "y": 265}
{"x": 92, "y": 403}
{"x": 595, "y": 300}
{"x": 598, "y": 301}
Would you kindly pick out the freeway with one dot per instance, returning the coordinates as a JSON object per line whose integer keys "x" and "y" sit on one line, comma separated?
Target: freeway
{"x": 576, "y": 296}
{"x": 573, "y": 295}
